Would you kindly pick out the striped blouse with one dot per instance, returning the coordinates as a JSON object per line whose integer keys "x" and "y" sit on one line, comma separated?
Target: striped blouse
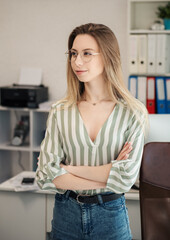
{"x": 67, "y": 140}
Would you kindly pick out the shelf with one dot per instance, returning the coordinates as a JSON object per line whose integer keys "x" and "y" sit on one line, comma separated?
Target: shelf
{"x": 14, "y": 109}
{"x": 151, "y": 74}
{"x": 24, "y": 109}
{"x": 8, "y": 146}
{"x": 16, "y": 158}
{"x": 145, "y": 31}
{"x": 142, "y": 14}
{"x": 45, "y": 110}
{"x": 36, "y": 149}
{"x": 148, "y": 1}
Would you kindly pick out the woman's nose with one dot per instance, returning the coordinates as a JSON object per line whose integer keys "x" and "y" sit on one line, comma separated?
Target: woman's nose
{"x": 79, "y": 60}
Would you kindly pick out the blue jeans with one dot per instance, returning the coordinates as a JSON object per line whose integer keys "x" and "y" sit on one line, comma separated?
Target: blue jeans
{"x": 82, "y": 221}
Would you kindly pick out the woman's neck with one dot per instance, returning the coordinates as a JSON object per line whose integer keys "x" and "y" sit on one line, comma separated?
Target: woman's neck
{"x": 95, "y": 92}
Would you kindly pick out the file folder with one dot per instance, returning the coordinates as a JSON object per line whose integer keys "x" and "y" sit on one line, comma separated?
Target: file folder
{"x": 168, "y": 54}
{"x": 162, "y": 52}
{"x": 151, "y": 66}
{"x": 167, "y": 94}
{"x": 142, "y": 53}
{"x": 133, "y": 53}
{"x": 150, "y": 95}
{"x": 142, "y": 89}
{"x": 160, "y": 95}
{"x": 133, "y": 85}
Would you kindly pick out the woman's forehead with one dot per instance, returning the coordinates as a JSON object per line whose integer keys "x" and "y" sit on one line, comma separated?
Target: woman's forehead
{"x": 85, "y": 41}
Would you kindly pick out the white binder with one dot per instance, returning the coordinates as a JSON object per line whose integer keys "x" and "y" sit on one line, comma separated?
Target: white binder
{"x": 151, "y": 53}
{"x": 142, "y": 53}
{"x": 168, "y": 54}
{"x": 142, "y": 89}
{"x": 133, "y": 53}
{"x": 162, "y": 52}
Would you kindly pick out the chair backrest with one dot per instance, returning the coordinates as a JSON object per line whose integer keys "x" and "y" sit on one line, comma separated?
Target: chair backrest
{"x": 155, "y": 191}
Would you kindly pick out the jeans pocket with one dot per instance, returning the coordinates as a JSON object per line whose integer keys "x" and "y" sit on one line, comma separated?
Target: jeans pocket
{"x": 114, "y": 205}
{"x": 60, "y": 198}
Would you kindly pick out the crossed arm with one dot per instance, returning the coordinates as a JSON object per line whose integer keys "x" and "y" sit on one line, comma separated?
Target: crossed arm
{"x": 87, "y": 177}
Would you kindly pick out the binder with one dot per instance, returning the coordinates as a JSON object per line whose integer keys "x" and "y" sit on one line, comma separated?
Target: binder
{"x": 142, "y": 89}
{"x": 151, "y": 65}
{"x": 168, "y": 54}
{"x": 150, "y": 95}
{"x": 133, "y": 53}
{"x": 133, "y": 85}
{"x": 142, "y": 53}
{"x": 160, "y": 95}
{"x": 167, "y": 94}
{"x": 162, "y": 51}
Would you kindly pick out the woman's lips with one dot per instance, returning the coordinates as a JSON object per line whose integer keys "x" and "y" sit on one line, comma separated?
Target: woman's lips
{"x": 80, "y": 72}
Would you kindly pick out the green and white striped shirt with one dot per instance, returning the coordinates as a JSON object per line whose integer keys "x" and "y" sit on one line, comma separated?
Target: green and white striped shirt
{"x": 66, "y": 139}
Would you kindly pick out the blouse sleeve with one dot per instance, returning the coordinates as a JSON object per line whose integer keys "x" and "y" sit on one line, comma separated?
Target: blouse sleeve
{"x": 123, "y": 173}
{"x": 51, "y": 155}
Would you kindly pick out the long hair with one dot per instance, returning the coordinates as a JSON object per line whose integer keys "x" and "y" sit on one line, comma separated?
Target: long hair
{"x": 112, "y": 74}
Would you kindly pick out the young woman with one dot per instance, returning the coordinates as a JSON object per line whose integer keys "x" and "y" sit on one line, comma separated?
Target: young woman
{"x": 94, "y": 140}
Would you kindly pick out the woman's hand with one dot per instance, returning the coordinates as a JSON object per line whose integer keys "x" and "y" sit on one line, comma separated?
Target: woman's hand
{"x": 64, "y": 166}
{"x": 124, "y": 154}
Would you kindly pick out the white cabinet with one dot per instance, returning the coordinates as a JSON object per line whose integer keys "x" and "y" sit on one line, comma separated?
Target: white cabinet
{"x": 148, "y": 54}
{"x": 23, "y": 216}
{"x": 141, "y": 16}
{"x": 14, "y": 159}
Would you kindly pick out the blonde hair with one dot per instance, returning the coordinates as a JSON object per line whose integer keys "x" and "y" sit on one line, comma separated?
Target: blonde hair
{"x": 110, "y": 52}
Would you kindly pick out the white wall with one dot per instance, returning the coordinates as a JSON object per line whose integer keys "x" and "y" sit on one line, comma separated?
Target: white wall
{"x": 34, "y": 33}
{"x": 159, "y": 130}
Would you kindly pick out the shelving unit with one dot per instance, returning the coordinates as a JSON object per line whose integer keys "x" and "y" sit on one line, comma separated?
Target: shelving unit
{"x": 14, "y": 159}
{"x": 141, "y": 16}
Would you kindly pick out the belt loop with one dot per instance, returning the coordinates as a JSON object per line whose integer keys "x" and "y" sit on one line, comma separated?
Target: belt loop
{"x": 67, "y": 194}
{"x": 100, "y": 199}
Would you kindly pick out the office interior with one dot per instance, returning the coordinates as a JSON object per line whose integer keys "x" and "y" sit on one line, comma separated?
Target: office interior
{"x": 33, "y": 35}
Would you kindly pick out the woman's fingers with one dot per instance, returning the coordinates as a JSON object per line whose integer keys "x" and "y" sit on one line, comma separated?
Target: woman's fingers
{"x": 124, "y": 154}
{"x": 127, "y": 147}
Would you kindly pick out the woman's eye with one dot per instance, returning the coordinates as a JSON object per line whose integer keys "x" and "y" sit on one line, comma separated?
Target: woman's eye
{"x": 73, "y": 54}
{"x": 87, "y": 53}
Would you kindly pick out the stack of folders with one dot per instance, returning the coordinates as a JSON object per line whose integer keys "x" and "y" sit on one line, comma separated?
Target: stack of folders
{"x": 149, "y": 53}
{"x": 153, "y": 92}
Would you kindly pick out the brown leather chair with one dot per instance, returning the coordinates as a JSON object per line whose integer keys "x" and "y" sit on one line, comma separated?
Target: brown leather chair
{"x": 155, "y": 191}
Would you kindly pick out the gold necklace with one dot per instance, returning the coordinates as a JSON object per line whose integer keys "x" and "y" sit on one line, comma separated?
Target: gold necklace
{"x": 95, "y": 103}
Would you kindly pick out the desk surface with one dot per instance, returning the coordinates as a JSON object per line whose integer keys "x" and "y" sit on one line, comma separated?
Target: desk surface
{"x": 14, "y": 185}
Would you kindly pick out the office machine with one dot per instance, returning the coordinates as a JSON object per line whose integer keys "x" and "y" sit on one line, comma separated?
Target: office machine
{"x": 23, "y": 95}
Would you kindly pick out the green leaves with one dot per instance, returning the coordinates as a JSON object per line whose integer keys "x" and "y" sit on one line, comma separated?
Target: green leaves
{"x": 164, "y": 11}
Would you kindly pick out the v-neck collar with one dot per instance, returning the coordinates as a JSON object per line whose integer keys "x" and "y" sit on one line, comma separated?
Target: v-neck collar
{"x": 88, "y": 139}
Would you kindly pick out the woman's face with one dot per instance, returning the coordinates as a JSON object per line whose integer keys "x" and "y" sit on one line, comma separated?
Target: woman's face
{"x": 85, "y": 70}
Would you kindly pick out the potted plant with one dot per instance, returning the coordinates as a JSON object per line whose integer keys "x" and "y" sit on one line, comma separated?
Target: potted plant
{"x": 164, "y": 13}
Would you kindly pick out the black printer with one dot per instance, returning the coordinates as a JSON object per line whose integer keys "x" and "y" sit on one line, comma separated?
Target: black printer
{"x": 23, "y": 96}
